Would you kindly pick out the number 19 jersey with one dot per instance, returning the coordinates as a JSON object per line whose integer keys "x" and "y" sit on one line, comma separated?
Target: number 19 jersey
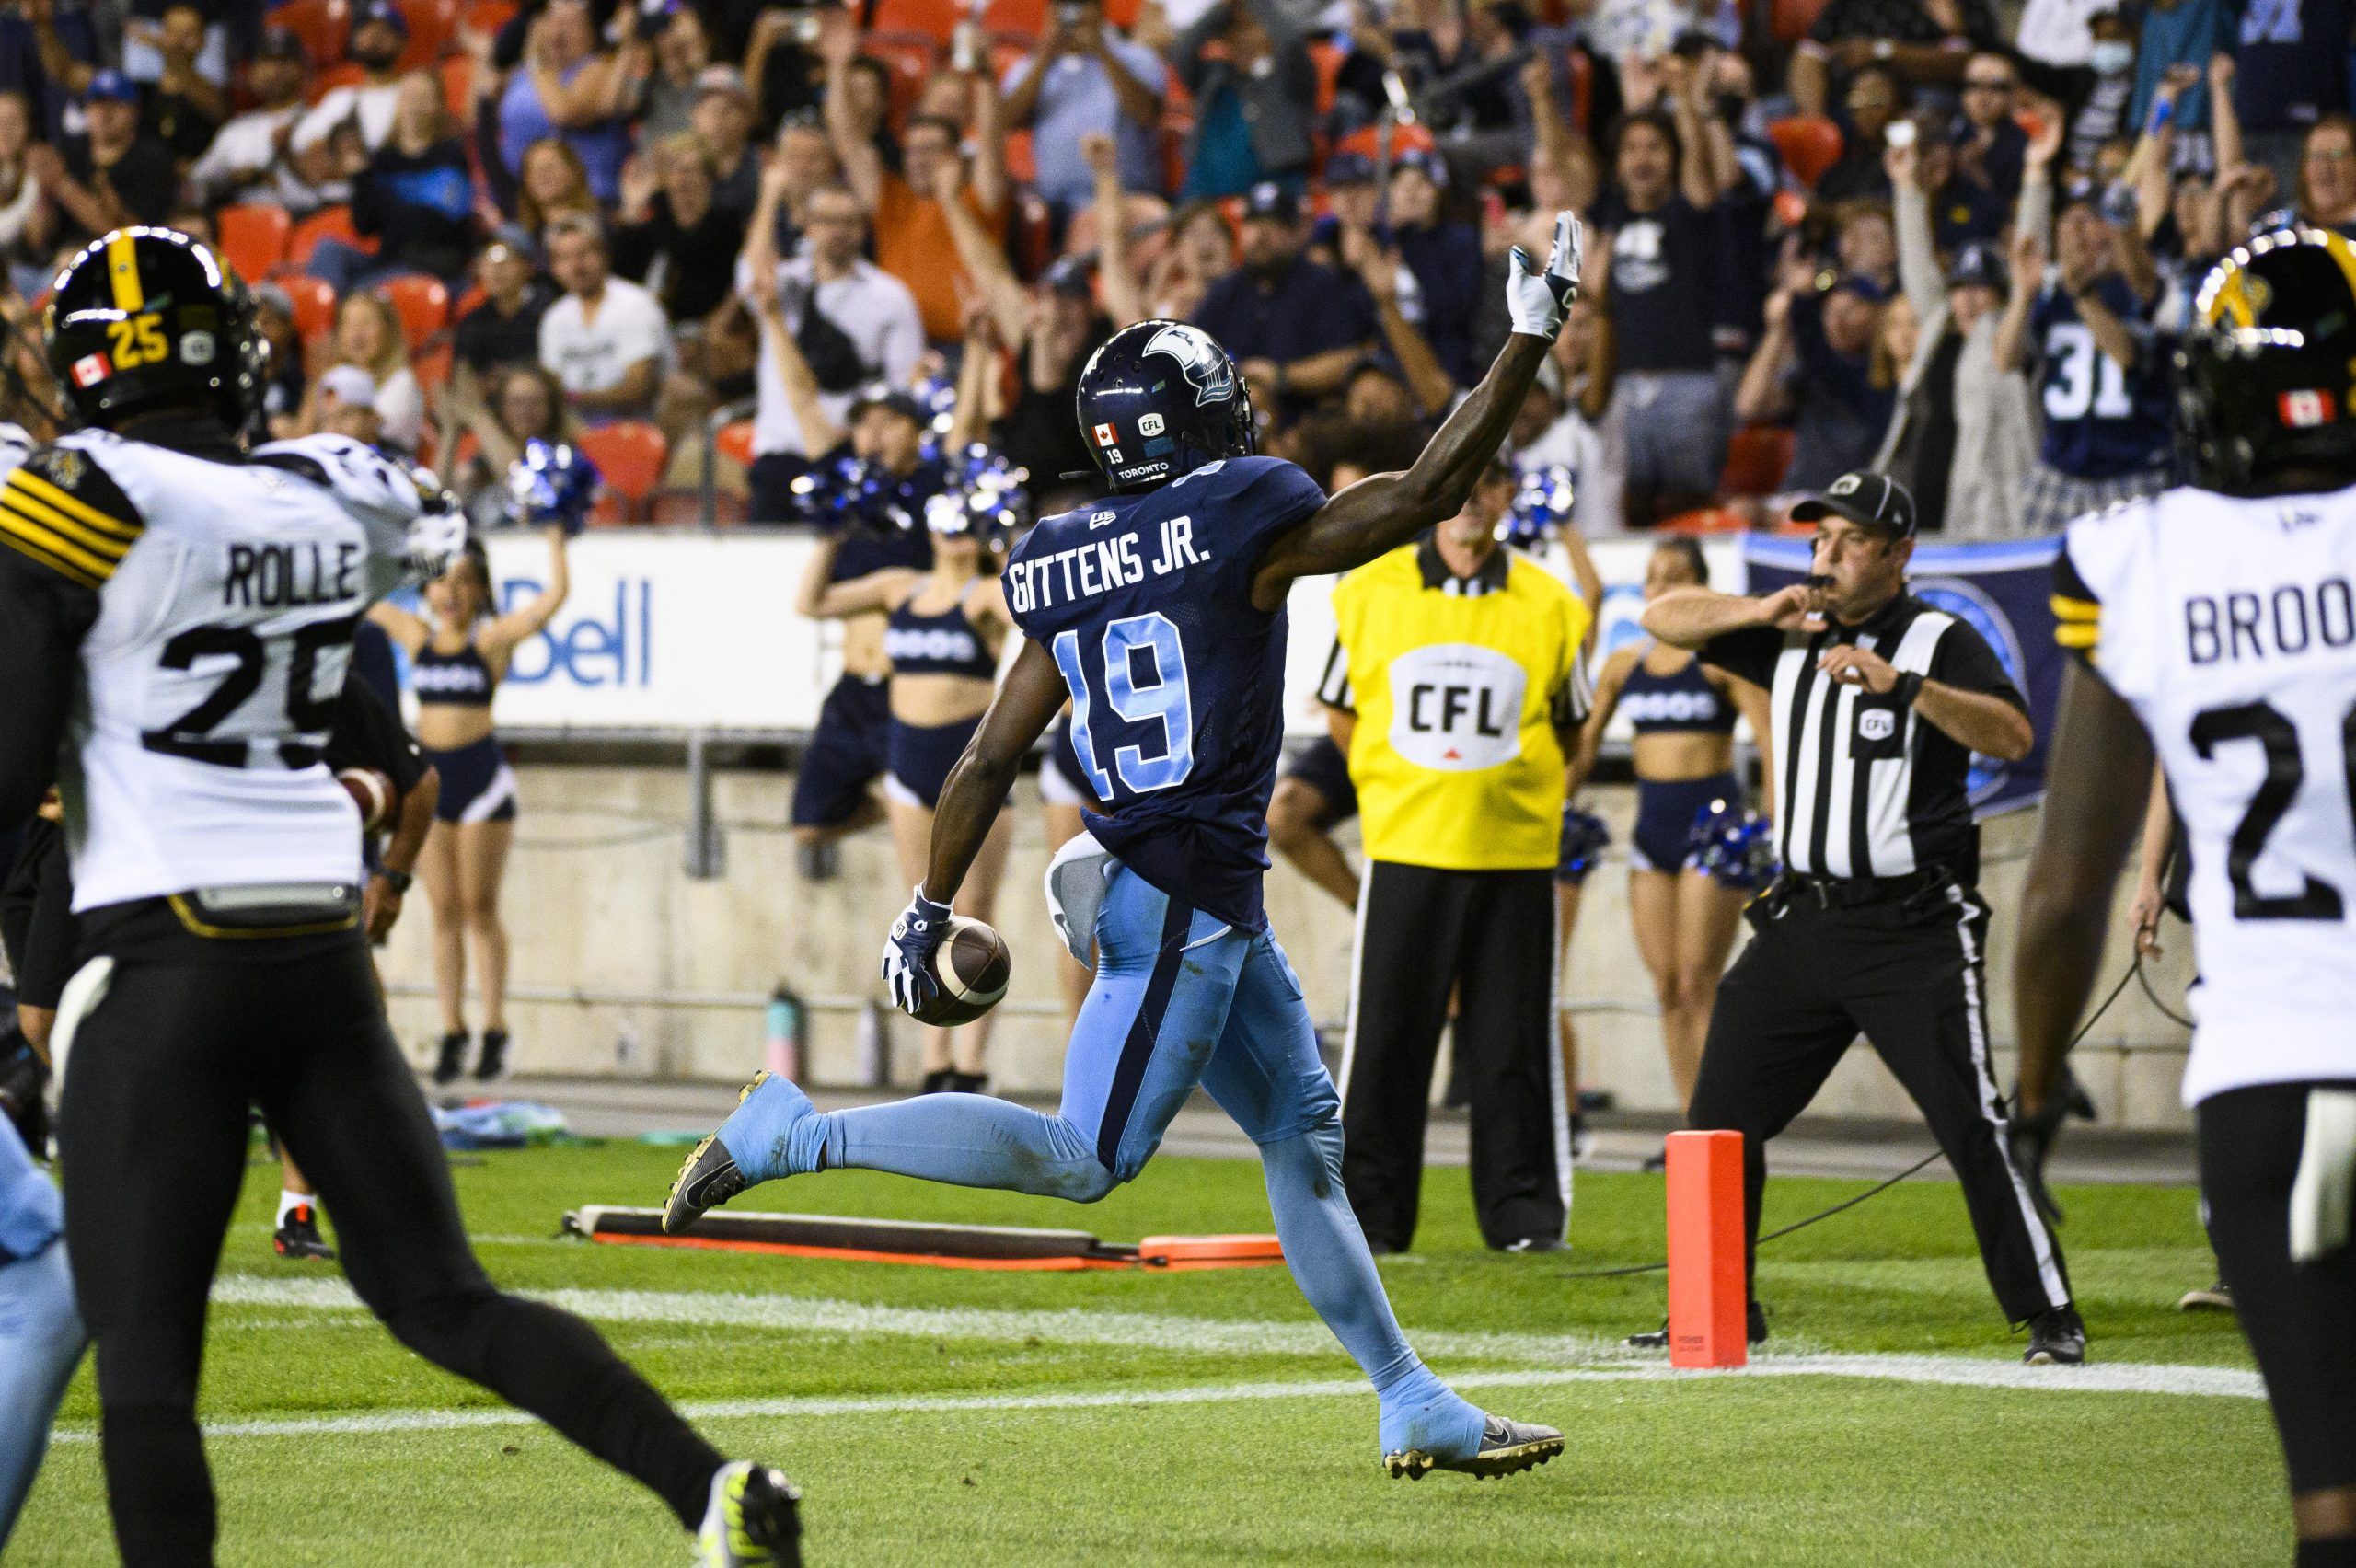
{"x": 1177, "y": 682}
{"x": 226, "y": 591}
{"x": 2230, "y": 626}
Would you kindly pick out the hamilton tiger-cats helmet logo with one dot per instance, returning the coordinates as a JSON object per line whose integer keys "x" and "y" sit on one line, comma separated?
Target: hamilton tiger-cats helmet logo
{"x": 1209, "y": 372}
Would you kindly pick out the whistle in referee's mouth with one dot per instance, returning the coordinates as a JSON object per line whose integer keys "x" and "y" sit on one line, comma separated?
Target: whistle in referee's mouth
{"x": 1817, "y": 579}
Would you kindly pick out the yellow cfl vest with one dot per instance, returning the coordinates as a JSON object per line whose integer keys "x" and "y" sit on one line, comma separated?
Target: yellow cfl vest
{"x": 1455, "y": 755}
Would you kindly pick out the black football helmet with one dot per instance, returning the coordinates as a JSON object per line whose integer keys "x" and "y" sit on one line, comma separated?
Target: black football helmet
{"x": 2265, "y": 374}
{"x": 1160, "y": 399}
{"x": 149, "y": 316}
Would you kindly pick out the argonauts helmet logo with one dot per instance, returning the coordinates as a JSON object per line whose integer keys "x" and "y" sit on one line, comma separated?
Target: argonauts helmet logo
{"x": 1208, "y": 370}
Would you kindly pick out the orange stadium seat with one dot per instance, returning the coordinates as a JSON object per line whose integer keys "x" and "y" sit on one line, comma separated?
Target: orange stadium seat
{"x": 1016, "y": 16}
{"x": 1757, "y": 460}
{"x": 1005, "y": 49}
{"x": 328, "y": 223}
{"x": 913, "y": 56}
{"x": 1021, "y": 158}
{"x": 322, "y": 25}
{"x": 1327, "y": 56}
{"x": 629, "y": 454}
{"x": 253, "y": 237}
{"x": 1404, "y": 138}
{"x": 432, "y": 25}
{"x": 1810, "y": 143}
{"x": 735, "y": 440}
{"x": 458, "y": 87}
{"x": 346, "y": 74}
{"x": 1706, "y": 520}
{"x": 423, "y": 303}
{"x": 1790, "y": 20}
{"x": 432, "y": 369}
{"x": 490, "y": 16}
{"x": 934, "y": 18}
{"x": 314, "y": 306}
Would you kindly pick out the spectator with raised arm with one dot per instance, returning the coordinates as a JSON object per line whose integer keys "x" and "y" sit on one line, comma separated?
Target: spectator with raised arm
{"x": 1813, "y": 366}
{"x": 180, "y": 108}
{"x": 851, "y": 323}
{"x": 1445, "y": 258}
{"x": 1925, "y": 41}
{"x": 1255, "y": 103}
{"x": 673, "y": 237}
{"x": 1660, "y": 220}
{"x": 517, "y": 403}
{"x": 1966, "y": 431}
{"x": 112, "y": 174}
{"x": 1118, "y": 280}
{"x": 912, "y": 234}
{"x": 569, "y": 87}
{"x": 252, "y": 159}
{"x": 1085, "y": 78}
{"x": 361, "y": 109}
{"x": 667, "y": 98}
{"x": 722, "y": 121}
{"x": 1877, "y": 97}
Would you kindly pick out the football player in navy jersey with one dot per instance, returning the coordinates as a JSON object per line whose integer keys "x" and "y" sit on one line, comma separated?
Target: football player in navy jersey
{"x": 1160, "y": 615}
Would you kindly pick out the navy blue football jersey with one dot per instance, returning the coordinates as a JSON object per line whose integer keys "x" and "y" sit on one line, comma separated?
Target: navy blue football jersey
{"x": 1177, "y": 683}
{"x": 2102, "y": 420}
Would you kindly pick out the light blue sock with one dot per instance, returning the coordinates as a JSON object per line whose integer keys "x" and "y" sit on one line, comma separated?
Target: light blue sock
{"x": 1328, "y": 1256}
{"x": 968, "y": 1140}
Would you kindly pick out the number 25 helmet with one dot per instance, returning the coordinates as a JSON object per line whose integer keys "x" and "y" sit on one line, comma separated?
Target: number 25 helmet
{"x": 1160, "y": 399}
{"x": 149, "y": 316}
{"x": 2267, "y": 372}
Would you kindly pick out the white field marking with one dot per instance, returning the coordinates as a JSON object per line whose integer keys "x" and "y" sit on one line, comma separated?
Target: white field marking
{"x": 2212, "y": 1381}
{"x": 1592, "y": 1356}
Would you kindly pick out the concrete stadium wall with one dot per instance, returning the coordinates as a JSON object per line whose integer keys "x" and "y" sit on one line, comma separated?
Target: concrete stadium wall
{"x": 598, "y": 904}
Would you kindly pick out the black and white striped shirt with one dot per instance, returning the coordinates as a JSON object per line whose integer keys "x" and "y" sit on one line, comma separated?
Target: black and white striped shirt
{"x": 1867, "y": 787}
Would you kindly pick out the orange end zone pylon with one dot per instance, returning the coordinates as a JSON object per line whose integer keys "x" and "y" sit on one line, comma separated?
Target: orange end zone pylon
{"x": 1707, "y": 1294}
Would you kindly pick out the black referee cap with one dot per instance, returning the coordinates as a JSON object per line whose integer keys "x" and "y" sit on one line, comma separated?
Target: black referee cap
{"x": 1874, "y": 500}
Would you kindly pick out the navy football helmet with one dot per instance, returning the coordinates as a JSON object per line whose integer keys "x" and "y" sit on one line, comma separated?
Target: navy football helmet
{"x": 1160, "y": 399}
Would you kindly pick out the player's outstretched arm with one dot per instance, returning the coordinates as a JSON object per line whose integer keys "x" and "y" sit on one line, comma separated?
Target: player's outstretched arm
{"x": 1027, "y": 702}
{"x": 2100, "y": 757}
{"x": 1385, "y": 511}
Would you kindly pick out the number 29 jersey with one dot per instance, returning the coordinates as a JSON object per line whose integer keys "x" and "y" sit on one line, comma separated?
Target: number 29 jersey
{"x": 1177, "y": 682}
{"x": 226, "y": 591}
{"x": 2229, "y": 623}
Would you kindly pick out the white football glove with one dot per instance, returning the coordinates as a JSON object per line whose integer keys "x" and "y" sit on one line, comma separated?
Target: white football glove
{"x": 1537, "y": 300}
{"x": 436, "y": 538}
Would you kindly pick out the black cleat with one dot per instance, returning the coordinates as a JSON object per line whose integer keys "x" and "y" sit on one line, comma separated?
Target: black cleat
{"x": 451, "y": 1065}
{"x": 1508, "y": 1448}
{"x": 493, "y": 1064}
{"x": 2057, "y": 1337}
{"x": 709, "y": 1179}
{"x": 1754, "y": 1330}
{"x": 1537, "y": 1244}
{"x": 299, "y": 1237}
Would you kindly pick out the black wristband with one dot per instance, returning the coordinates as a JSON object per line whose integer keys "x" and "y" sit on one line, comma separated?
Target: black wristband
{"x": 1909, "y": 687}
{"x": 400, "y": 880}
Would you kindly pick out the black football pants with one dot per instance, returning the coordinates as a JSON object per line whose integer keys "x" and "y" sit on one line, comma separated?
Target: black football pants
{"x": 153, "y": 1135}
{"x": 1908, "y": 975}
{"x": 2300, "y": 1318}
{"x": 1422, "y": 931}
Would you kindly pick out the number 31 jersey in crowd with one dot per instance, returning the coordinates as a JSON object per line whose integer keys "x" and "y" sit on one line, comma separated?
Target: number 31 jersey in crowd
{"x": 2230, "y": 626}
{"x": 1177, "y": 682}
{"x": 226, "y": 591}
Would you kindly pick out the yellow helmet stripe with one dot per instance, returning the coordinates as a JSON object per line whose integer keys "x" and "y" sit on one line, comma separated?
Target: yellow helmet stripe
{"x": 123, "y": 270}
{"x": 2344, "y": 254}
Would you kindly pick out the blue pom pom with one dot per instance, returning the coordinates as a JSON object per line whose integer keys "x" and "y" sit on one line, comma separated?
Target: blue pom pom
{"x": 1585, "y": 837}
{"x": 553, "y": 483}
{"x": 1542, "y": 505}
{"x": 1734, "y": 845}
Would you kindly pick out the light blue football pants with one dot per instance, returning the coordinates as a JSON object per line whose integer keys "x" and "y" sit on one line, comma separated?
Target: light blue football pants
{"x": 40, "y": 1332}
{"x": 1179, "y": 999}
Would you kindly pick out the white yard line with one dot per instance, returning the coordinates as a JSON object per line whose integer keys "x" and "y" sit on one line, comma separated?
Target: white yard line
{"x": 2221, "y": 1382}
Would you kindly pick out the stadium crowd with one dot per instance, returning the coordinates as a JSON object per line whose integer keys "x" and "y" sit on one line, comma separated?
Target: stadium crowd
{"x": 1823, "y": 236}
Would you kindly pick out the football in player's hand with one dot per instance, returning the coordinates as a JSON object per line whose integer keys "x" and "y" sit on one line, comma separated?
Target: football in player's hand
{"x": 973, "y": 965}
{"x": 372, "y": 792}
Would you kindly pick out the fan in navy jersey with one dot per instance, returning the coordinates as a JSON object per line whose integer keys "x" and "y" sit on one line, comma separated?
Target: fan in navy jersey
{"x": 2101, "y": 369}
{"x": 1159, "y": 615}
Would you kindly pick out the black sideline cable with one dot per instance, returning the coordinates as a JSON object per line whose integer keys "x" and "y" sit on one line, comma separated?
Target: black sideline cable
{"x": 2134, "y": 971}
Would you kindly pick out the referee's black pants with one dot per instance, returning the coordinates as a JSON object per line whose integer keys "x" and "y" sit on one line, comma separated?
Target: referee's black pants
{"x": 1420, "y": 932}
{"x": 2300, "y": 1318}
{"x": 153, "y": 1132}
{"x": 1907, "y": 974}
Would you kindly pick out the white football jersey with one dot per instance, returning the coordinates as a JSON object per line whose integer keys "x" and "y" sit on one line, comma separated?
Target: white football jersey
{"x": 2230, "y": 625}
{"x": 227, "y": 595}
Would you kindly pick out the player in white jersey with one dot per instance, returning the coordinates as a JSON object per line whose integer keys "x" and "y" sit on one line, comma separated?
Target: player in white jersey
{"x": 2217, "y": 625}
{"x": 176, "y": 618}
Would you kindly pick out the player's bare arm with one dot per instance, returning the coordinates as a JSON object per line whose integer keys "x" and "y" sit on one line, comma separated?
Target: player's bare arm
{"x": 2100, "y": 757}
{"x": 1027, "y": 702}
{"x": 1382, "y": 512}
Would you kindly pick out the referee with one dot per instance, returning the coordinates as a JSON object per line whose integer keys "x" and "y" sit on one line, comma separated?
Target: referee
{"x": 1877, "y": 926}
{"x": 1459, "y": 663}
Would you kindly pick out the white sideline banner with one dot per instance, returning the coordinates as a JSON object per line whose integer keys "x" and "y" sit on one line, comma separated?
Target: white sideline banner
{"x": 669, "y": 632}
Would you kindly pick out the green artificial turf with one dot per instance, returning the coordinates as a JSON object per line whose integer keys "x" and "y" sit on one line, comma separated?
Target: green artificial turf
{"x": 1799, "y": 1469}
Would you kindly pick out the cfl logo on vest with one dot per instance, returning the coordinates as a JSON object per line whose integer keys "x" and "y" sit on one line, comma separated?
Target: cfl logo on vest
{"x": 1456, "y": 706}
{"x": 1877, "y": 725}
